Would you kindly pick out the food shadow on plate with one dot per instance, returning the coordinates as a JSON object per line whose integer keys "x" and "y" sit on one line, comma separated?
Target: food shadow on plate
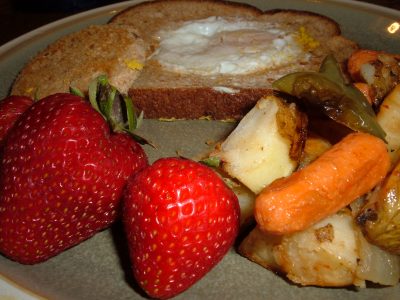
{"x": 122, "y": 249}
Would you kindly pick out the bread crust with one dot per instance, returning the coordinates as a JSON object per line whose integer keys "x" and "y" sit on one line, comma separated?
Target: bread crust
{"x": 196, "y": 102}
{"x": 162, "y": 93}
{"x": 76, "y": 59}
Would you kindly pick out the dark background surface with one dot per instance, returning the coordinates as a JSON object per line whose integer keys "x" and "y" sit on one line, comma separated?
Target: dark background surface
{"x": 20, "y": 16}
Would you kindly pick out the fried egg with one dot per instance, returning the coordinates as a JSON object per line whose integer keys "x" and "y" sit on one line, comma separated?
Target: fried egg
{"x": 219, "y": 46}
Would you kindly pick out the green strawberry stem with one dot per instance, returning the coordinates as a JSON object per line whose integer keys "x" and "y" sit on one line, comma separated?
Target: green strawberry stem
{"x": 77, "y": 92}
{"x": 117, "y": 109}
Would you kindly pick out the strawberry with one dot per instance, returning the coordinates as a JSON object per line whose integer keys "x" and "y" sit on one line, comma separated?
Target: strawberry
{"x": 11, "y": 108}
{"x": 180, "y": 219}
{"x": 61, "y": 177}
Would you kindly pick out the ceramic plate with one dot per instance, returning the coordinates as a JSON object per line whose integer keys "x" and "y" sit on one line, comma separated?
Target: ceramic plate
{"x": 99, "y": 267}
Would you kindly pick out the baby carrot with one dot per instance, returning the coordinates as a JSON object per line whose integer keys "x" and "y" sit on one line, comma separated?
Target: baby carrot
{"x": 357, "y": 59}
{"x": 346, "y": 171}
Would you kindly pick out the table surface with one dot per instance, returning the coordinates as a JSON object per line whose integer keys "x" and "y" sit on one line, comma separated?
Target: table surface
{"x": 23, "y": 17}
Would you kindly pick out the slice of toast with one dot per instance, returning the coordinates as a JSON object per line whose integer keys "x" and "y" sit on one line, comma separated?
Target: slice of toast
{"x": 76, "y": 59}
{"x": 162, "y": 91}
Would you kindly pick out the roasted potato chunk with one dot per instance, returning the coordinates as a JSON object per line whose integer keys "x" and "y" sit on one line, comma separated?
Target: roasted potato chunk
{"x": 266, "y": 144}
{"x": 314, "y": 147}
{"x": 332, "y": 252}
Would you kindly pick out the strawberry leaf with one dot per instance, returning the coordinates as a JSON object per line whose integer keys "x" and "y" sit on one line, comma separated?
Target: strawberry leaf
{"x": 77, "y": 92}
{"x": 117, "y": 109}
{"x": 92, "y": 91}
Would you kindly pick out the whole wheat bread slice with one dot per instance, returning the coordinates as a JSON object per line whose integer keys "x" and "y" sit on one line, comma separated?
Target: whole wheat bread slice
{"x": 76, "y": 59}
{"x": 162, "y": 93}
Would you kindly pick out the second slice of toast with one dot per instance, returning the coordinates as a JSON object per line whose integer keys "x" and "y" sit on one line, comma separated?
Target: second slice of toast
{"x": 181, "y": 81}
{"x": 188, "y": 91}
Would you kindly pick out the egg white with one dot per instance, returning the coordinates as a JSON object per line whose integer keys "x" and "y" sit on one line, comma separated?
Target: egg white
{"x": 217, "y": 46}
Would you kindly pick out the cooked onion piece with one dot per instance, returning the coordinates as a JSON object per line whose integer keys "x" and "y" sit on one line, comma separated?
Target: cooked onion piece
{"x": 380, "y": 217}
{"x": 389, "y": 119}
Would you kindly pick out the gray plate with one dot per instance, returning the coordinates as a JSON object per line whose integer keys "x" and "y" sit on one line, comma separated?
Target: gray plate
{"x": 99, "y": 267}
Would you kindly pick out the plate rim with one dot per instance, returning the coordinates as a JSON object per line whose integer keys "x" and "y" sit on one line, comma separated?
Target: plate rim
{"x": 111, "y": 10}
{"x": 102, "y": 11}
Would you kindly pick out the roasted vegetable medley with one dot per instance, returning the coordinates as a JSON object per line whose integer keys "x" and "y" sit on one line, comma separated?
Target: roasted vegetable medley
{"x": 325, "y": 181}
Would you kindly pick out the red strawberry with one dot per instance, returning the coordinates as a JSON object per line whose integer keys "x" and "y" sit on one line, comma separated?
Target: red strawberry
{"x": 11, "y": 108}
{"x": 180, "y": 219}
{"x": 61, "y": 176}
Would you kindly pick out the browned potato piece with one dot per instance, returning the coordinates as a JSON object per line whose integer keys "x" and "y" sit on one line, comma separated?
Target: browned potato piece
{"x": 266, "y": 144}
{"x": 313, "y": 148}
{"x": 332, "y": 252}
{"x": 246, "y": 202}
{"x": 258, "y": 247}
